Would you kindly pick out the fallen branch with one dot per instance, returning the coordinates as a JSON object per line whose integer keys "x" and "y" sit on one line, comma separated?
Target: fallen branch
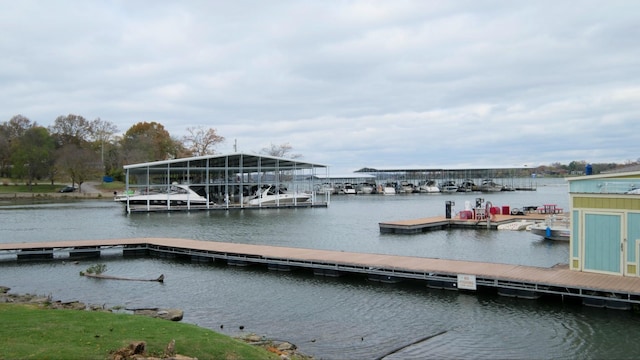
{"x": 108, "y": 277}
{"x": 411, "y": 344}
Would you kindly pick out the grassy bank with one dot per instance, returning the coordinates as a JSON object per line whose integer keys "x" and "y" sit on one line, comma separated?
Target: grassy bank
{"x": 33, "y": 332}
{"x": 21, "y": 188}
{"x": 90, "y": 190}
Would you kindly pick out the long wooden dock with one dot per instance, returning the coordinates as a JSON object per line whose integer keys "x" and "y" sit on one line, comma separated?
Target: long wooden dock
{"x": 509, "y": 280}
{"x": 414, "y": 226}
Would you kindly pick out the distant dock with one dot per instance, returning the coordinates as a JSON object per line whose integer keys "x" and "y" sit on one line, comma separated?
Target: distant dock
{"x": 527, "y": 282}
{"x": 415, "y": 226}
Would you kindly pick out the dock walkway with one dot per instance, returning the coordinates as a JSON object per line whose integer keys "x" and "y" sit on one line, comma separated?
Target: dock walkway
{"x": 510, "y": 280}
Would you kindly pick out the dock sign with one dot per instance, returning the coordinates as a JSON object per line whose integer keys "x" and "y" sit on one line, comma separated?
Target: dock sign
{"x": 466, "y": 282}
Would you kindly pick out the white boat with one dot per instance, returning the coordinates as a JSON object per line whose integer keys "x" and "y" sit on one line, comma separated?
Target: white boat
{"x": 553, "y": 228}
{"x": 348, "y": 189}
{"x": 176, "y": 194}
{"x": 270, "y": 195}
{"x": 489, "y": 185}
{"x": 516, "y": 225}
{"x": 388, "y": 189}
{"x": 365, "y": 188}
{"x": 429, "y": 186}
{"x": 467, "y": 186}
{"x": 448, "y": 186}
{"x": 325, "y": 188}
{"x": 407, "y": 187}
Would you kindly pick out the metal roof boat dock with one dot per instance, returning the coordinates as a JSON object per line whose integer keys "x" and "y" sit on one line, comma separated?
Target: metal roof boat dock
{"x": 509, "y": 280}
{"x": 221, "y": 182}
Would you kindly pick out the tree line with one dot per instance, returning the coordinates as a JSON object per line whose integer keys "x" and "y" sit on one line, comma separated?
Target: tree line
{"x": 77, "y": 149}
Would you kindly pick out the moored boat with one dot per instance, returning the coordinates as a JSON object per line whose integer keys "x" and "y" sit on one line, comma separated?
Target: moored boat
{"x": 553, "y": 228}
{"x": 175, "y": 194}
{"x": 467, "y": 186}
{"x": 489, "y": 185}
{"x": 407, "y": 187}
{"x": 270, "y": 195}
{"x": 389, "y": 189}
{"x": 429, "y": 186}
{"x": 348, "y": 189}
{"x": 448, "y": 186}
{"x": 365, "y": 188}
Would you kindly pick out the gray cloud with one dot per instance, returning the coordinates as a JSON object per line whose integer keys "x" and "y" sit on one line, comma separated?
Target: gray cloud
{"x": 349, "y": 84}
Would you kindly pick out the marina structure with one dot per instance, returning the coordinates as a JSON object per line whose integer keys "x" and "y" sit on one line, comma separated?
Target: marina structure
{"x": 508, "y": 280}
{"x": 432, "y": 179}
{"x": 212, "y": 182}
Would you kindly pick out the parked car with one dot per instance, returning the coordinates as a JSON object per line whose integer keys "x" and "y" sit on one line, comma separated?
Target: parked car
{"x": 67, "y": 189}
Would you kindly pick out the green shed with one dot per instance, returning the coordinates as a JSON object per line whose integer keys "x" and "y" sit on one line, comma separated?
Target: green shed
{"x": 605, "y": 223}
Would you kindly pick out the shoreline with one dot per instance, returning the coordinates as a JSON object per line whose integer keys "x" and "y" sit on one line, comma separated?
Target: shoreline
{"x": 83, "y": 195}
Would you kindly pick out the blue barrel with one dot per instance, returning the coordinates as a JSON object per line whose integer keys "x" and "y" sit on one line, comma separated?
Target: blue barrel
{"x": 588, "y": 170}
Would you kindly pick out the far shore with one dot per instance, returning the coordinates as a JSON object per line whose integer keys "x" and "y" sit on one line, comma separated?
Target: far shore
{"x": 54, "y": 195}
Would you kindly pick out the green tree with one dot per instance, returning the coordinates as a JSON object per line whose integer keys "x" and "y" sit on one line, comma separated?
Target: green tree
{"x": 32, "y": 154}
{"x": 9, "y": 132}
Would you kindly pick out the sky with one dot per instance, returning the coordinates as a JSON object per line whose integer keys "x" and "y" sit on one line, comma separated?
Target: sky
{"x": 349, "y": 84}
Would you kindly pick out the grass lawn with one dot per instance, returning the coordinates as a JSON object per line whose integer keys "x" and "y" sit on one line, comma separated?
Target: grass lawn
{"x": 13, "y": 186}
{"x": 32, "y": 332}
{"x": 21, "y": 188}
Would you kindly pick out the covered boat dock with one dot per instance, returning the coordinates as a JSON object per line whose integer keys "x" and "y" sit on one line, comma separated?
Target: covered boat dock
{"x": 225, "y": 181}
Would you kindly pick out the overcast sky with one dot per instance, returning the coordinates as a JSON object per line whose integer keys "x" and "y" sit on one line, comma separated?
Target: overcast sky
{"x": 348, "y": 84}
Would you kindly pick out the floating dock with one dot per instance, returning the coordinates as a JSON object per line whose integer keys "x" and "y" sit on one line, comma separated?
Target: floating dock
{"x": 415, "y": 226}
{"x": 173, "y": 208}
{"x": 529, "y": 282}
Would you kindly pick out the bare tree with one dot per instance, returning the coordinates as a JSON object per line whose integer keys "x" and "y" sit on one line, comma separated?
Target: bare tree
{"x": 102, "y": 131}
{"x": 78, "y": 163}
{"x": 200, "y": 141}
{"x": 282, "y": 150}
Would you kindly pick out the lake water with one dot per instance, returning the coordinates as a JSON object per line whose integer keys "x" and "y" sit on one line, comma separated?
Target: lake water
{"x": 345, "y": 318}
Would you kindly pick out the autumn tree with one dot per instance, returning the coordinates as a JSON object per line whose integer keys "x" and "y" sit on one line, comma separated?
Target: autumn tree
{"x": 200, "y": 141}
{"x": 71, "y": 129}
{"x": 32, "y": 154}
{"x": 282, "y": 150}
{"x": 145, "y": 142}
